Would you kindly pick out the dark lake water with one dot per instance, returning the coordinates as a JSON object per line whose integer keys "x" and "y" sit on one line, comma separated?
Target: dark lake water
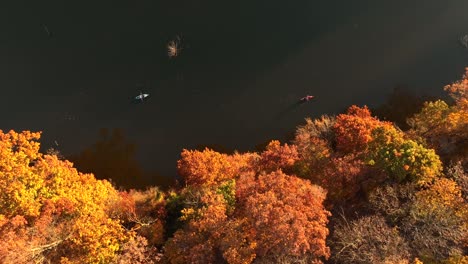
{"x": 70, "y": 68}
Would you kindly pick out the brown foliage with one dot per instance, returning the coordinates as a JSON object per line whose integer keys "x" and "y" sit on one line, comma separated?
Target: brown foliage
{"x": 321, "y": 128}
{"x": 342, "y": 178}
{"x": 458, "y": 90}
{"x": 393, "y": 202}
{"x": 368, "y": 240}
{"x": 314, "y": 156}
{"x": 137, "y": 251}
{"x": 432, "y": 220}
{"x": 458, "y": 174}
{"x": 143, "y": 212}
{"x": 437, "y": 221}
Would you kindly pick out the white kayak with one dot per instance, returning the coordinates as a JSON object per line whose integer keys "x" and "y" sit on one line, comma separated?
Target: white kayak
{"x": 141, "y": 96}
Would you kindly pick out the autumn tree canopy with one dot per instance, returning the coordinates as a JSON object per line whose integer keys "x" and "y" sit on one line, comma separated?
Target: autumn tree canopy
{"x": 353, "y": 130}
{"x": 347, "y": 189}
{"x": 446, "y": 127}
{"x": 50, "y": 211}
{"x": 286, "y": 214}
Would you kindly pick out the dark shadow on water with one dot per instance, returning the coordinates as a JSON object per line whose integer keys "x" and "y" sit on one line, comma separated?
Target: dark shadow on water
{"x": 400, "y": 105}
{"x": 291, "y": 108}
{"x": 112, "y": 158}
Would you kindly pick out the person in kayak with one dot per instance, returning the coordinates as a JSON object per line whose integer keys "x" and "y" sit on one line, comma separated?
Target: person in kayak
{"x": 141, "y": 97}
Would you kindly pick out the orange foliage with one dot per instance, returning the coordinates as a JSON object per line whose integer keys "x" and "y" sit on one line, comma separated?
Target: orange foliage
{"x": 237, "y": 242}
{"x": 244, "y": 162}
{"x": 286, "y": 214}
{"x": 354, "y": 129}
{"x": 14, "y": 246}
{"x": 275, "y": 216}
{"x": 244, "y": 208}
{"x": 443, "y": 193}
{"x": 196, "y": 242}
{"x": 277, "y": 157}
{"x": 208, "y": 167}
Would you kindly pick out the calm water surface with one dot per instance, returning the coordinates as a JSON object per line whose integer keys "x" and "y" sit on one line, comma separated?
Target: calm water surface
{"x": 71, "y": 68}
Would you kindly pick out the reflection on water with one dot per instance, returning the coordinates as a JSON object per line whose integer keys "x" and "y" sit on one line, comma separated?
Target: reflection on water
{"x": 112, "y": 157}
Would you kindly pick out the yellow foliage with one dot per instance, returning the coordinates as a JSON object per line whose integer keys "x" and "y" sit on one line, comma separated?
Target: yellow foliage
{"x": 18, "y": 184}
{"x": 187, "y": 214}
{"x": 403, "y": 158}
{"x": 99, "y": 237}
{"x": 444, "y": 192}
{"x": 457, "y": 260}
{"x": 446, "y": 127}
{"x": 32, "y": 183}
